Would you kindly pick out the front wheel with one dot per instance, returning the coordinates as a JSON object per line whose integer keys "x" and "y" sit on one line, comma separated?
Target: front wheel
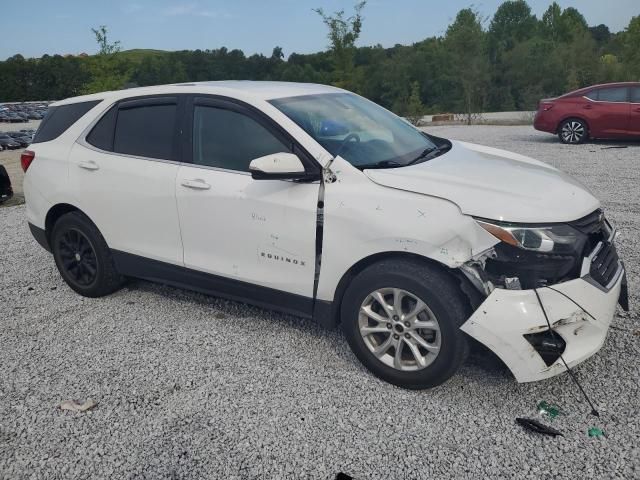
{"x": 573, "y": 131}
{"x": 402, "y": 320}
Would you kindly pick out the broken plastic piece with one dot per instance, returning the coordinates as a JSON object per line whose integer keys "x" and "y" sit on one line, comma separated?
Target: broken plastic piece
{"x": 548, "y": 410}
{"x": 75, "y": 406}
{"x": 595, "y": 432}
{"x": 343, "y": 476}
{"x": 536, "y": 426}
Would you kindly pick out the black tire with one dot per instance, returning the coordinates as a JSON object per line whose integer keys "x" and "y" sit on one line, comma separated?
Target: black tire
{"x": 573, "y": 131}
{"x": 83, "y": 257}
{"x": 442, "y": 296}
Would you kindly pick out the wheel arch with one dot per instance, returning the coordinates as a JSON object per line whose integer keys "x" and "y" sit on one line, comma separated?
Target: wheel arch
{"x": 54, "y": 213}
{"x": 329, "y": 316}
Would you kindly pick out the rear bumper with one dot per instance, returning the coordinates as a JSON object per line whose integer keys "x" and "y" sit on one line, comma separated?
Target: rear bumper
{"x": 543, "y": 123}
{"x": 579, "y": 311}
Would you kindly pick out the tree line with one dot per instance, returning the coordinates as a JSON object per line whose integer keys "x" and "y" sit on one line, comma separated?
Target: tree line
{"x": 507, "y": 62}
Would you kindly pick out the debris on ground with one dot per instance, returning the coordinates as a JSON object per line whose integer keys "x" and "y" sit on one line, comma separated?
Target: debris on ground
{"x": 548, "y": 410}
{"x": 595, "y": 432}
{"x": 537, "y": 427}
{"x": 76, "y": 406}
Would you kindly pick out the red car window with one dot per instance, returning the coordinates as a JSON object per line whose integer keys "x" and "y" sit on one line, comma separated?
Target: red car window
{"x": 612, "y": 94}
{"x": 635, "y": 95}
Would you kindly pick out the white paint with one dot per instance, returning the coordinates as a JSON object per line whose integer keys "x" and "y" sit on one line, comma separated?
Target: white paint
{"x": 228, "y": 229}
{"x": 495, "y": 184}
{"x": 277, "y": 163}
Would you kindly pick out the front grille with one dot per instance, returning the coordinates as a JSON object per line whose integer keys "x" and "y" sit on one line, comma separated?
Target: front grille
{"x": 604, "y": 264}
{"x": 589, "y": 224}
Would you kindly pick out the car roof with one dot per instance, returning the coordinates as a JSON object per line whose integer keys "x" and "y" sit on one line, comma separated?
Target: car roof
{"x": 258, "y": 90}
{"x": 601, "y": 85}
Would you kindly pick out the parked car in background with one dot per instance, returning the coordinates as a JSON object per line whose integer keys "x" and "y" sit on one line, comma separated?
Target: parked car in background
{"x": 8, "y": 143}
{"x": 608, "y": 111}
{"x": 24, "y": 142}
{"x": 22, "y": 112}
{"x": 315, "y": 201}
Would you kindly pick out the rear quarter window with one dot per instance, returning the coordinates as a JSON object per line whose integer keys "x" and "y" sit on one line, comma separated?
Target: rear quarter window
{"x": 59, "y": 119}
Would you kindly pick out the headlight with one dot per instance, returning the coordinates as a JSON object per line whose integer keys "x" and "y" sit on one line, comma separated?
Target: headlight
{"x": 557, "y": 238}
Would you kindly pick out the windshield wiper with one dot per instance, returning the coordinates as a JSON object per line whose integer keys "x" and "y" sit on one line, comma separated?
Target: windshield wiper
{"x": 429, "y": 153}
{"x": 382, "y": 164}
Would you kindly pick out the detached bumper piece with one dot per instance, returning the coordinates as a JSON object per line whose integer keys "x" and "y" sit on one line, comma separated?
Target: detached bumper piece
{"x": 512, "y": 324}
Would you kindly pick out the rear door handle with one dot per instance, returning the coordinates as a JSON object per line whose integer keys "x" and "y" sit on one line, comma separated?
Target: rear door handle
{"x": 196, "y": 183}
{"x": 588, "y": 107}
{"x": 88, "y": 165}
{"x": 637, "y": 109}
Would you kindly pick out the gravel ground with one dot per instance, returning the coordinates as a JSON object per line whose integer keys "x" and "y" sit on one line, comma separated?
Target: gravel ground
{"x": 190, "y": 386}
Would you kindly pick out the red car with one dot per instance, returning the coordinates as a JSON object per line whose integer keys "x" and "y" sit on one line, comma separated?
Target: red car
{"x": 602, "y": 111}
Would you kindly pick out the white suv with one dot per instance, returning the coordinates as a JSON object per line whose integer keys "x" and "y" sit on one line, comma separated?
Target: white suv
{"x": 314, "y": 201}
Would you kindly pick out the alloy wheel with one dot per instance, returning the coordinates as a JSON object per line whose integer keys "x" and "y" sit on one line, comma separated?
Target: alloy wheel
{"x": 78, "y": 257}
{"x": 399, "y": 329}
{"x": 573, "y": 132}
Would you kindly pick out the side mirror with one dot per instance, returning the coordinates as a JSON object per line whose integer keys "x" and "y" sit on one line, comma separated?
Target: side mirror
{"x": 278, "y": 166}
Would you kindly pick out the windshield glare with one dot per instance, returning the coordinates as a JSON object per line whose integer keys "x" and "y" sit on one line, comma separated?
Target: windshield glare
{"x": 358, "y": 130}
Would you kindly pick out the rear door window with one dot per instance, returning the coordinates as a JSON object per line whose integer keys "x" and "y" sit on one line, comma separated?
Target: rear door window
{"x": 613, "y": 94}
{"x": 147, "y": 128}
{"x": 59, "y": 119}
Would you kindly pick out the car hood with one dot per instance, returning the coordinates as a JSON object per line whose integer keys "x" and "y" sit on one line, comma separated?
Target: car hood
{"x": 495, "y": 184}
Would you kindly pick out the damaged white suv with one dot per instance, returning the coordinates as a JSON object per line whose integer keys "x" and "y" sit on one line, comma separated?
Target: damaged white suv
{"x": 314, "y": 201}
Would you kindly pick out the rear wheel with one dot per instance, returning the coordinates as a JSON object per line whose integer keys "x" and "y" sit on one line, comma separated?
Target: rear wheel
{"x": 83, "y": 257}
{"x": 573, "y": 131}
{"x": 402, "y": 321}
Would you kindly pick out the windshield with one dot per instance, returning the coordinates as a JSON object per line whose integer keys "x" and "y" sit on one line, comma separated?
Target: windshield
{"x": 361, "y": 132}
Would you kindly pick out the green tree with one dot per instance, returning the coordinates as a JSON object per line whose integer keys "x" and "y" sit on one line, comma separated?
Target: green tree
{"x": 415, "y": 108}
{"x": 512, "y": 23}
{"x": 109, "y": 71}
{"x": 631, "y": 48}
{"x": 552, "y": 26}
{"x": 343, "y": 34}
{"x": 106, "y": 48}
{"x": 465, "y": 40}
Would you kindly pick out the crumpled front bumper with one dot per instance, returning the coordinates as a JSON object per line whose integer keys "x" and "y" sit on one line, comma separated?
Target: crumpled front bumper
{"x": 579, "y": 310}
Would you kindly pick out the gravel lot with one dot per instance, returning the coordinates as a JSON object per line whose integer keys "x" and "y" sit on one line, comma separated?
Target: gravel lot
{"x": 190, "y": 386}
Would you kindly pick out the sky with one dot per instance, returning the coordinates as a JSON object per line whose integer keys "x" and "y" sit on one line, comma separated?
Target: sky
{"x": 254, "y": 26}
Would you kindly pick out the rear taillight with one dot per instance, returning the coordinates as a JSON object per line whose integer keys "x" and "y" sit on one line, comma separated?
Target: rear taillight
{"x": 26, "y": 158}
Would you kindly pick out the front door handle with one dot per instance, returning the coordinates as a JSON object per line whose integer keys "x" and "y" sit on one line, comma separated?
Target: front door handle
{"x": 196, "y": 183}
{"x": 88, "y": 165}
